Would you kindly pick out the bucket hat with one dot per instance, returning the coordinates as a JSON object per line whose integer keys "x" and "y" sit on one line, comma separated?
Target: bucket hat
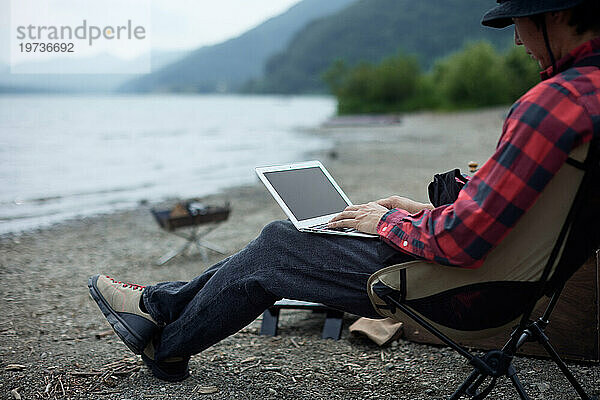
{"x": 501, "y": 15}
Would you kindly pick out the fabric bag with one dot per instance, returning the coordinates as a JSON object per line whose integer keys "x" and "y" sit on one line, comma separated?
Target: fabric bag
{"x": 445, "y": 187}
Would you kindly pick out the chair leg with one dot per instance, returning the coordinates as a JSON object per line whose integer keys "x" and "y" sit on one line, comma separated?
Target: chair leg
{"x": 332, "y": 329}
{"x": 470, "y": 387}
{"x": 512, "y": 374}
{"x": 533, "y": 332}
{"x": 544, "y": 341}
{"x": 465, "y": 385}
{"x": 269, "y": 322}
{"x": 473, "y": 390}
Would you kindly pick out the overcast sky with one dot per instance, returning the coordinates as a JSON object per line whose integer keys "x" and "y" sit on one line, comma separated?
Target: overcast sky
{"x": 185, "y": 24}
{"x": 190, "y": 23}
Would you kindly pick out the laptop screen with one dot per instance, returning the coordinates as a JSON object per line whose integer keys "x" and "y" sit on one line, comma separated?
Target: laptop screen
{"x": 307, "y": 192}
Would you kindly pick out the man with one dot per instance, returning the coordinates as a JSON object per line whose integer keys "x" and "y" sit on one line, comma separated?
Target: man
{"x": 169, "y": 322}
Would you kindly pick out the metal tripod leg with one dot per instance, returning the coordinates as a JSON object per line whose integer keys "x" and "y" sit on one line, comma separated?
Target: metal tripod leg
{"x": 512, "y": 374}
{"x": 172, "y": 254}
{"x": 203, "y": 245}
{"x": 465, "y": 385}
{"x": 194, "y": 238}
{"x": 210, "y": 246}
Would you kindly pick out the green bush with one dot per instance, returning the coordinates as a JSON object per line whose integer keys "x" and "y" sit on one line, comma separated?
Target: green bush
{"x": 368, "y": 88}
{"x": 522, "y": 71}
{"x": 477, "y": 76}
{"x": 471, "y": 78}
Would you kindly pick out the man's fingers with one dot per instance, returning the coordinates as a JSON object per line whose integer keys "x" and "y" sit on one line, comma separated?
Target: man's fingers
{"x": 345, "y": 215}
{"x": 388, "y": 203}
{"x": 349, "y": 214}
{"x": 343, "y": 223}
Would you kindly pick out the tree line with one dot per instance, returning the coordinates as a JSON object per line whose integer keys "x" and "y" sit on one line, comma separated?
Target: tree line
{"x": 476, "y": 76}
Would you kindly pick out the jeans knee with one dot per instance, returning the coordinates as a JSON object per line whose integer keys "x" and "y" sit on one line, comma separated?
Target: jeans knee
{"x": 275, "y": 230}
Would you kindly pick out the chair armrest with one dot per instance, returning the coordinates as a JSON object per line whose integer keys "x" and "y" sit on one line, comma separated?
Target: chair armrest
{"x": 390, "y": 277}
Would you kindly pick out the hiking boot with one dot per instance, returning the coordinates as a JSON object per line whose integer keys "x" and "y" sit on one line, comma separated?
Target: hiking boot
{"x": 120, "y": 304}
{"x": 174, "y": 369}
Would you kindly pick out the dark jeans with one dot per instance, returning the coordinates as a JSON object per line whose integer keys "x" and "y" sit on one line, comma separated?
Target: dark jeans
{"x": 281, "y": 263}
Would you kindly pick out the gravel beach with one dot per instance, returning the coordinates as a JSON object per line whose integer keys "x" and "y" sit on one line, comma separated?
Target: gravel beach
{"x": 55, "y": 344}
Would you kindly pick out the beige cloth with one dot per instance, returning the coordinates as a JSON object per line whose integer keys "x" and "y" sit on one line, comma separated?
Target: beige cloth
{"x": 381, "y": 331}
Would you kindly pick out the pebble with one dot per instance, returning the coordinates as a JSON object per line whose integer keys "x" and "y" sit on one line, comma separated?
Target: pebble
{"x": 15, "y": 367}
{"x": 542, "y": 386}
{"x": 207, "y": 389}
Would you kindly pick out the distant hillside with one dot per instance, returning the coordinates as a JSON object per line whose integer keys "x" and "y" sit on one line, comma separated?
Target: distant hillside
{"x": 369, "y": 30}
{"x": 35, "y": 82}
{"x": 226, "y": 66}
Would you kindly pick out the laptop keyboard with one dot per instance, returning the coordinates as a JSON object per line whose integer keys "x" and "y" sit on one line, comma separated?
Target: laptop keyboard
{"x": 324, "y": 227}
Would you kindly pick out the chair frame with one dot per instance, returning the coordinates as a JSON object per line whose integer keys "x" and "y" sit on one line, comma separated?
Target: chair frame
{"x": 497, "y": 363}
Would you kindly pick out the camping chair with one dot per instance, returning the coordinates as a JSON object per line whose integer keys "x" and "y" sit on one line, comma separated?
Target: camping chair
{"x": 544, "y": 249}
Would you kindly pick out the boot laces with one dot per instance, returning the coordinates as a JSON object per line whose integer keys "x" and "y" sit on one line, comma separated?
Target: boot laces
{"x": 133, "y": 286}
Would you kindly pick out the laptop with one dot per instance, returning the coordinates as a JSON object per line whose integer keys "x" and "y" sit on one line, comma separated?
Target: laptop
{"x": 308, "y": 195}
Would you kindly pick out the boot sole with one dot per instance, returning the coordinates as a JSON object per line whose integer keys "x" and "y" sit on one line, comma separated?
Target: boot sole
{"x": 133, "y": 341}
{"x": 162, "y": 375}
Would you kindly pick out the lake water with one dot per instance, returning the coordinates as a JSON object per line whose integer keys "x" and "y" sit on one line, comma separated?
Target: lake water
{"x": 69, "y": 156}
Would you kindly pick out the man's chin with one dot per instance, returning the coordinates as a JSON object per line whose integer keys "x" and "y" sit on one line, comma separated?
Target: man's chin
{"x": 543, "y": 66}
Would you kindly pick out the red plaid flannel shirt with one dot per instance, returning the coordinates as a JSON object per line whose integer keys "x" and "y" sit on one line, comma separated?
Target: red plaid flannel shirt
{"x": 541, "y": 129}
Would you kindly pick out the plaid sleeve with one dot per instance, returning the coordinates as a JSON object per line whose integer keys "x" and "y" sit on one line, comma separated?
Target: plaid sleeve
{"x": 539, "y": 133}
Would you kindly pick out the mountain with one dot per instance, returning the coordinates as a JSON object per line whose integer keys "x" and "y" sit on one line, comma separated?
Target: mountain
{"x": 370, "y": 30}
{"x": 225, "y": 67}
{"x": 28, "y": 80}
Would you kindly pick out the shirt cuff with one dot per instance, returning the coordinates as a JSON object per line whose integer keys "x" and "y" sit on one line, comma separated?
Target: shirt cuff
{"x": 389, "y": 220}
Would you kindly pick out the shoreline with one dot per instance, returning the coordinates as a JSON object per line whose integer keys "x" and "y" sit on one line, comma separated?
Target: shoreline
{"x": 161, "y": 149}
{"x": 348, "y": 137}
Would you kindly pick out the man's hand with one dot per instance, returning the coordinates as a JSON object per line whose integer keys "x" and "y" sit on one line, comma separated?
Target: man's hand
{"x": 363, "y": 217}
{"x": 403, "y": 203}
